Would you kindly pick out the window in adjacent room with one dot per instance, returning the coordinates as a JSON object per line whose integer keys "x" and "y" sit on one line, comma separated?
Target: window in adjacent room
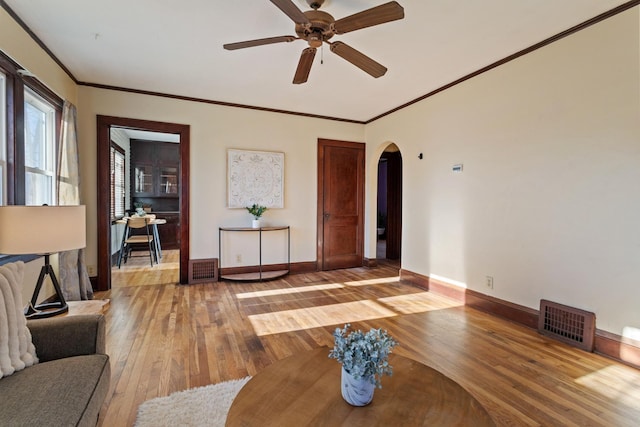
{"x": 3, "y": 139}
{"x": 117, "y": 181}
{"x": 40, "y": 149}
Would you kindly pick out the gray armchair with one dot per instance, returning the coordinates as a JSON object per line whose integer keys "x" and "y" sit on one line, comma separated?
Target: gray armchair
{"x": 69, "y": 385}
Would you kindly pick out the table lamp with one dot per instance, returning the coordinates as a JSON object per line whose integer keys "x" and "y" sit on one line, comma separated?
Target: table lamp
{"x": 42, "y": 230}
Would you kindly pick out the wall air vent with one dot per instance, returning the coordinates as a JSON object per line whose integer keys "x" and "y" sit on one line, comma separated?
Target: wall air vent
{"x": 567, "y": 324}
{"x": 203, "y": 270}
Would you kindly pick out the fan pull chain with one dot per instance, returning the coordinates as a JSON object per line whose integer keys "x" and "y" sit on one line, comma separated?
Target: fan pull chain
{"x": 322, "y": 54}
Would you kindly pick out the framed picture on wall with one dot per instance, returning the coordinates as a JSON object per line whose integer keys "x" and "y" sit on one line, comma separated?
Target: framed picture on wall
{"x": 255, "y": 177}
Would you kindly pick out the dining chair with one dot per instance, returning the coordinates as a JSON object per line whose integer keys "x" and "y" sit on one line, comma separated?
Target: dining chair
{"x": 145, "y": 238}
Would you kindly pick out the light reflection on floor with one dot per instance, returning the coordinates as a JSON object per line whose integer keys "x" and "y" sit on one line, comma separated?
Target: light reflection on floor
{"x": 418, "y": 303}
{"x": 285, "y": 291}
{"x": 314, "y": 317}
{"x": 607, "y": 381}
{"x": 312, "y": 288}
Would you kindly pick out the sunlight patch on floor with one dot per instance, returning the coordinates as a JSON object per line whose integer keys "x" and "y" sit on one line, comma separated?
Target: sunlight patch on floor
{"x": 285, "y": 291}
{"x": 312, "y": 288}
{"x": 315, "y": 317}
{"x": 607, "y": 381}
{"x": 418, "y": 303}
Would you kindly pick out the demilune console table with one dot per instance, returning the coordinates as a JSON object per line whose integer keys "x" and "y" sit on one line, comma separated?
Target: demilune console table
{"x": 260, "y": 275}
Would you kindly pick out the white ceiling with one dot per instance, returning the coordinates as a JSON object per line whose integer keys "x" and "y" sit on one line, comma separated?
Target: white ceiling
{"x": 175, "y": 47}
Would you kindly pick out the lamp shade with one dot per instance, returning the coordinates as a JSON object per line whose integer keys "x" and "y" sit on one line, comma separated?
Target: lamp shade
{"x": 41, "y": 229}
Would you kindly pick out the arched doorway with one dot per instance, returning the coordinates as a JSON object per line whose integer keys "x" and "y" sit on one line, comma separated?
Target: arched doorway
{"x": 389, "y": 210}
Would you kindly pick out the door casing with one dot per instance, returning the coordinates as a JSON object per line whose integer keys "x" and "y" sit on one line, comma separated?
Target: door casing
{"x": 104, "y": 124}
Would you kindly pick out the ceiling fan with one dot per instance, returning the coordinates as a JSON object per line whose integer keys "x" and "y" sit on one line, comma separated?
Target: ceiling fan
{"x": 317, "y": 27}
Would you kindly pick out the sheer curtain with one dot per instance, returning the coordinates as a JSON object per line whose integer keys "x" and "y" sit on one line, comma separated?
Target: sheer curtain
{"x": 74, "y": 279}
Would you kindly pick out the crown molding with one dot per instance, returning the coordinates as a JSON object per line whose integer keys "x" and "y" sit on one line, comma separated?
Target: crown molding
{"x": 606, "y": 15}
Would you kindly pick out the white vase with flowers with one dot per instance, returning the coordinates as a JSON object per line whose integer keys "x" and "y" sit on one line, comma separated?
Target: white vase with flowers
{"x": 365, "y": 359}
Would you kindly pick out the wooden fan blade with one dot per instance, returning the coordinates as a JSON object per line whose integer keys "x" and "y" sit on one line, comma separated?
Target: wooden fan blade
{"x": 304, "y": 65}
{"x": 387, "y": 12}
{"x": 358, "y": 59}
{"x": 259, "y": 42}
{"x": 292, "y": 11}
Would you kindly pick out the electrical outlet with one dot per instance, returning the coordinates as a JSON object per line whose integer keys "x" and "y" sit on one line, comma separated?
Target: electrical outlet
{"x": 91, "y": 270}
{"x": 489, "y": 282}
{"x": 238, "y": 258}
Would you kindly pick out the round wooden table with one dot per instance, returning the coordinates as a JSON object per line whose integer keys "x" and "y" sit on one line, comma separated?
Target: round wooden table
{"x": 304, "y": 390}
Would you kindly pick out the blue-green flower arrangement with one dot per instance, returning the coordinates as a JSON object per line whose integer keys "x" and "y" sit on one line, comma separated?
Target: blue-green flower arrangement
{"x": 363, "y": 355}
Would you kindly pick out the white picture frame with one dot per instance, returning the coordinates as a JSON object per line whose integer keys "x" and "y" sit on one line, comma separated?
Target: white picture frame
{"x": 255, "y": 177}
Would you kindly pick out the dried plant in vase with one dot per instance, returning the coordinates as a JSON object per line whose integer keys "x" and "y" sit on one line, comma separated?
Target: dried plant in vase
{"x": 365, "y": 359}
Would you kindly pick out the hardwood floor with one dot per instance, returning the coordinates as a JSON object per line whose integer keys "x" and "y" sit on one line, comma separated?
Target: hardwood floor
{"x": 138, "y": 272}
{"x": 165, "y": 338}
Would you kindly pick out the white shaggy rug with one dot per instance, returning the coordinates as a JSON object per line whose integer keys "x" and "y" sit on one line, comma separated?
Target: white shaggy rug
{"x": 202, "y": 406}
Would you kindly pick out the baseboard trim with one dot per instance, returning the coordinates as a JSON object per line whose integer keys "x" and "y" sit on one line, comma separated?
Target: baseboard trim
{"x": 617, "y": 347}
{"x": 295, "y": 268}
{"x": 304, "y": 267}
{"x": 369, "y": 262}
{"x": 514, "y": 312}
{"x": 606, "y": 343}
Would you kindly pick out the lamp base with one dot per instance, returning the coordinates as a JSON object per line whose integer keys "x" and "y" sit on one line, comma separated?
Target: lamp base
{"x": 46, "y": 309}
{"x": 43, "y": 310}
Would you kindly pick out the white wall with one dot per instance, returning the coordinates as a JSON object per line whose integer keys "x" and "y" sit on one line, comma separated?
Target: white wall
{"x": 214, "y": 129}
{"x": 23, "y": 49}
{"x": 548, "y": 203}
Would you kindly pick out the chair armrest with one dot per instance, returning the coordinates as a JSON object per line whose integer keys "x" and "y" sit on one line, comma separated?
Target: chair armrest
{"x": 60, "y": 337}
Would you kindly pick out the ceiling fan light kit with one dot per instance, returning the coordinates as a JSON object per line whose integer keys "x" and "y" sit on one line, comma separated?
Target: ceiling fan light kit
{"x": 317, "y": 27}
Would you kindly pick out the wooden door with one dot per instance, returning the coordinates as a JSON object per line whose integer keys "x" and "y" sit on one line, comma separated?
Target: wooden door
{"x": 340, "y": 204}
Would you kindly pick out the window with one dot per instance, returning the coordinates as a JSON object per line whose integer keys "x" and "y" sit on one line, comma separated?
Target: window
{"x": 30, "y": 116}
{"x": 3, "y": 139}
{"x": 39, "y": 150}
{"x": 117, "y": 157}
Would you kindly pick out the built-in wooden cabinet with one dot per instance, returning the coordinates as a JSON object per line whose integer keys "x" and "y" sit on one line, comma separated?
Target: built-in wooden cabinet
{"x": 168, "y": 185}
{"x": 155, "y": 175}
{"x": 142, "y": 180}
{"x": 169, "y": 232}
{"x": 155, "y": 183}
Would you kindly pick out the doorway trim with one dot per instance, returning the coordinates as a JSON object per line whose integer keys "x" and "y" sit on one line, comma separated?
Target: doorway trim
{"x": 104, "y": 124}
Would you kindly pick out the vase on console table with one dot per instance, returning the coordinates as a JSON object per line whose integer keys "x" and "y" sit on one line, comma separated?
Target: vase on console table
{"x": 257, "y": 211}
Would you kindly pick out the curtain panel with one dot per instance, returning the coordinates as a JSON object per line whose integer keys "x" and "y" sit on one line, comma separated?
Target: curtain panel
{"x": 74, "y": 279}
